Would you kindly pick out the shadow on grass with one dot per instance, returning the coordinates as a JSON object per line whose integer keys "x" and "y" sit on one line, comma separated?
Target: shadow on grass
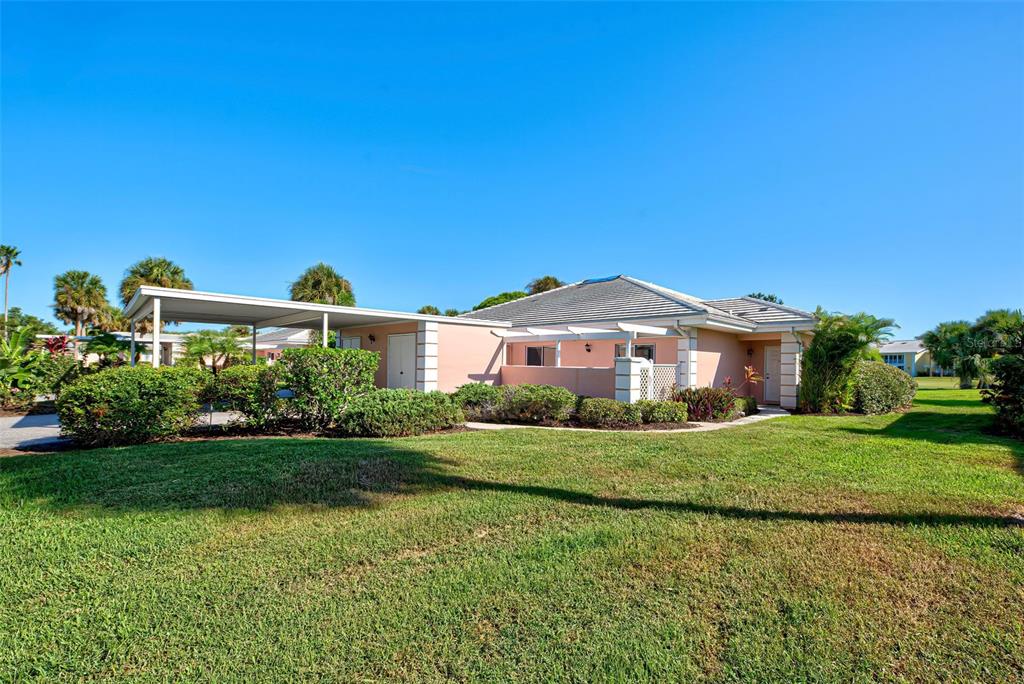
{"x": 262, "y": 474}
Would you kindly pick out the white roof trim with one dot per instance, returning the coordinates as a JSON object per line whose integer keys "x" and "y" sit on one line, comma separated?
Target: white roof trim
{"x": 141, "y": 301}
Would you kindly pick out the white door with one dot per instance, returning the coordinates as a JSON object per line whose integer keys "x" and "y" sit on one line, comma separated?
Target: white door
{"x": 772, "y": 365}
{"x": 402, "y": 361}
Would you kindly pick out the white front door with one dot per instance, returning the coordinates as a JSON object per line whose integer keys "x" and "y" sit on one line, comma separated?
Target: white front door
{"x": 402, "y": 361}
{"x": 772, "y": 366}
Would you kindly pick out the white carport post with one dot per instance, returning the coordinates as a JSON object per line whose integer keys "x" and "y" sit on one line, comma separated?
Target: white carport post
{"x": 156, "y": 332}
{"x": 323, "y": 334}
{"x": 558, "y": 353}
{"x": 131, "y": 352}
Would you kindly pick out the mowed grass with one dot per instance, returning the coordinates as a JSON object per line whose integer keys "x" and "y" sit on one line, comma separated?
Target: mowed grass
{"x": 798, "y": 549}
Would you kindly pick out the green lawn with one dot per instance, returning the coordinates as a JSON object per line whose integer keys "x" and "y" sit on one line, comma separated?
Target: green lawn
{"x": 799, "y": 549}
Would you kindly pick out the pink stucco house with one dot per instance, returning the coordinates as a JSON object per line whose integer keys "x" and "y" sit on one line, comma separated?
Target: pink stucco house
{"x": 616, "y": 337}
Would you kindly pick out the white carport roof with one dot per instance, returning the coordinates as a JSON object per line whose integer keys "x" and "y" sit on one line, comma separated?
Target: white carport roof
{"x": 192, "y": 306}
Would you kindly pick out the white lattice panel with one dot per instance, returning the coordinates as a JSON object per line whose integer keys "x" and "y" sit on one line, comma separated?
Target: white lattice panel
{"x": 664, "y": 379}
{"x": 646, "y": 381}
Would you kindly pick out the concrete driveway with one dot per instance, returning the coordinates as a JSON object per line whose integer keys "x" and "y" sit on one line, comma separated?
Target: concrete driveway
{"x": 42, "y": 432}
{"x": 30, "y": 432}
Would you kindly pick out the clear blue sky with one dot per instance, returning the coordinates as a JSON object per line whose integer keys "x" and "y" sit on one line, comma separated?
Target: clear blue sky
{"x": 859, "y": 156}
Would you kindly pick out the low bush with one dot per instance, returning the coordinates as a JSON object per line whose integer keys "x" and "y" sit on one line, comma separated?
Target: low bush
{"x": 325, "y": 381}
{"x": 252, "y": 391}
{"x": 1007, "y": 394}
{"x": 608, "y": 413}
{"x": 127, "y": 405}
{"x": 662, "y": 411}
{"x": 478, "y": 401}
{"x": 881, "y": 388}
{"x": 399, "y": 413}
{"x": 706, "y": 403}
{"x": 747, "y": 404}
{"x": 536, "y": 403}
{"x": 54, "y": 372}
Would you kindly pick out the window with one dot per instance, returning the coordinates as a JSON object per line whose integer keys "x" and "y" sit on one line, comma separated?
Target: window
{"x": 350, "y": 342}
{"x": 640, "y": 351}
{"x": 896, "y": 360}
{"x": 540, "y": 356}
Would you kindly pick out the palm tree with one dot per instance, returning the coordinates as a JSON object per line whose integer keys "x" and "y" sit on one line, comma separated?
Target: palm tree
{"x": 321, "y": 284}
{"x": 155, "y": 271}
{"x": 774, "y": 298}
{"x": 941, "y": 342}
{"x": 111, "y": 319}
{"x": 429, "y": 309}
{"x": 79, "y": 297}
{"x": 543, "y": 284}
{"x": 451, "y": 312}
{"x": 8, "y": 260}
{"x": 221, "y": 347}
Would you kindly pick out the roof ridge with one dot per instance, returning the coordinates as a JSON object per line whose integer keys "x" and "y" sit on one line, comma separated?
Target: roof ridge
{"x": 520, "y": 299}
{"x": 674, "y": 295}
{"x": 776, "y": 305}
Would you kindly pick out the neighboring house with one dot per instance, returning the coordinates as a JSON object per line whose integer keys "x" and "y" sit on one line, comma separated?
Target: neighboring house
{"x": 909, "y": 356}
{"x": 272, "y": 343}
{"x": 614, "y": 337}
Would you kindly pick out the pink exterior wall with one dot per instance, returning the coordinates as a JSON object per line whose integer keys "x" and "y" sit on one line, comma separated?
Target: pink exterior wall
{"x": 380, "y": 345}
{"x": 719, "y": 355}
{"x": 467, "y": 353}
{"x": 589, "y": 382}
{"x": 601, "y": 354}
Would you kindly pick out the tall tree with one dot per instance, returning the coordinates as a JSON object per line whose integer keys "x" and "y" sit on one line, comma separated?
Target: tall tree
{"x": 942, "y": 342}
{"x": 451, "y": 312}
{"x": 429, "y": 309}
{"x": 500, "y": 299}
{"x": 37, "y": 325}
{"x": 8, "y": 260}
{"x": 155, "y": 271}
{"x": 79, "y": 297}
{"x": 110, "y": 319}
{"x": 321, "y": 284}
{"x": 774, "y": 298}
{"x": 543, "y": 284}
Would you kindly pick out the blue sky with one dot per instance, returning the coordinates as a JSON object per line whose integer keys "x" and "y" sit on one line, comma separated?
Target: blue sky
{"x": 858, "y": 156}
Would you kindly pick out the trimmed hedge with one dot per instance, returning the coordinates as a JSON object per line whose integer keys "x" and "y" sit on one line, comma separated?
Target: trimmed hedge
{"x": 325, "y": 381}
{"x": 252, "y": 391}
{"x": 608, "y": 413}
{"x": 478, "y": 401}
{"x": 881, "y": 388}
{"x": 1007, "y": 394}
{"x": 128, "y": 405}
{"x": 400, "y": 413}
{"x": 536, "y": 403}
{"x": 55, "y": 372}
{"x": 661, "y": 411}
{"x": 706, "y": 403}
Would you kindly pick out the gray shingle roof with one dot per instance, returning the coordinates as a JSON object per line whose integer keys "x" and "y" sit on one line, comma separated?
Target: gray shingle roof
{"x": 624, "y": 298}
{"x": 587, "y": 301}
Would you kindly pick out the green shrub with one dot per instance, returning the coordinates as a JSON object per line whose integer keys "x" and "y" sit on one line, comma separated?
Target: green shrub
{"x": 325, "y": 381}
{"x": 55, "y": 372}
{"x": 252, "y": 391}
{"x": 479, "y": 401}
{"x": 608, "y": 413}
{"x": 1007, "y": 393}
{"x": 706, "y": 403}
{"x": 127, "y": 405}
{"x": 747, "y": 404}
{"x": 662, "y": 411}
{"x": 881, "y": 388}
{"x": 399, "y": 413}
{"x": 536, "y": 403}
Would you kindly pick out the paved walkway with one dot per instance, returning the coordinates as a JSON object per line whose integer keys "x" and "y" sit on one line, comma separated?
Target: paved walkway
{"x": 766, "y": 413}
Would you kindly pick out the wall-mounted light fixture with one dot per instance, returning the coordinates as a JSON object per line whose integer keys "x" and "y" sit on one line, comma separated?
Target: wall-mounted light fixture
{"x": 587, "y": 347}
{"x": 373, "y": 338}
{"x": 750, "y": 352}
